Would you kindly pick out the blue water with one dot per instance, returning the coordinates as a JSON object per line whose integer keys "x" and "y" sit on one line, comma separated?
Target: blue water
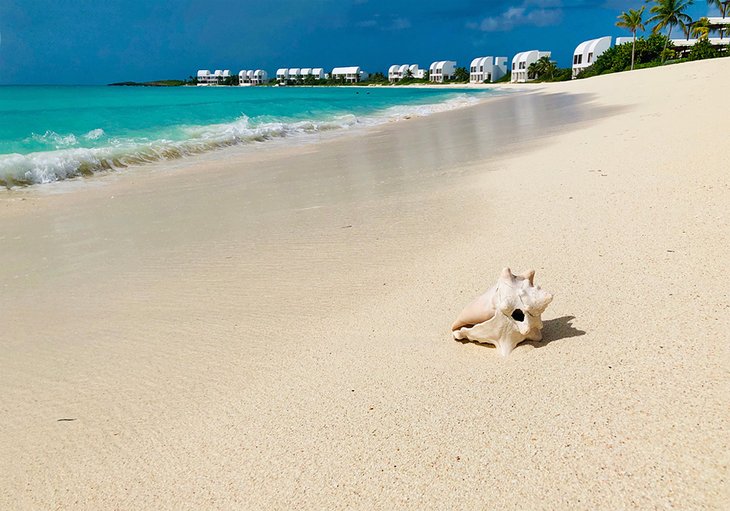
{"x": 53, "y": 133}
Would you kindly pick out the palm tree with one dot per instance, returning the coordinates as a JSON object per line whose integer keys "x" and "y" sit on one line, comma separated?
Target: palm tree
{"x": 548, "y": 67}
{"x": 542, "y": 69}
{"x": 632, "y": 21}
{"x": 720, "y": 4}
{"x": 669, "y": 13}
{"x": 701, "y": 28}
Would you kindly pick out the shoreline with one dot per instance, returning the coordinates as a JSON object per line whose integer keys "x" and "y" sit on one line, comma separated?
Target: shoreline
{"x": 276, "y": 335}
{"x": 124, "y": 154}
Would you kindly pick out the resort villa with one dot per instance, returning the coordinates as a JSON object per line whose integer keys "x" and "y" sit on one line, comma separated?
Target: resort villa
{"x": 718, "y": 24}
{"x": 521, "y": 62}
{"x": 251, "y": 77}
{"x": 352, "y": 74}
{"x": 245, "y": 77}
{"x": 204, "y": 76}
{"x": 487, "y": 69}
{"x": 482, "y": 69}
{"x": 397, "y": 72}
{"x": 441, "y": 70}
{"x": 585, "y": 53}
{"x": 316, "y": 72}
{"x": 282, "y": 75}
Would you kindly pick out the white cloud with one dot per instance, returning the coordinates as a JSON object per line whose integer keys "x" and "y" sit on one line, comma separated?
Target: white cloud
{"x": 385, "y": 24}
{"x": 538, "y": 13}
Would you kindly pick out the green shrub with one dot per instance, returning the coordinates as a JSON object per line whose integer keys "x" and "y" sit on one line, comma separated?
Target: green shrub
{"x": 703, "y": 50}
{"x": 461, "y": 75}
{"x": 618, "y": 58}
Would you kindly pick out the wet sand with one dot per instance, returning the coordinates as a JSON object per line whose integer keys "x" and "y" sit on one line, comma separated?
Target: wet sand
{"x": 270, "y": 329}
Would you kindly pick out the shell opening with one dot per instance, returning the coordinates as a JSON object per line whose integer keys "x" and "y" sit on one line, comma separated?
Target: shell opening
{"x": 518, "y": 315}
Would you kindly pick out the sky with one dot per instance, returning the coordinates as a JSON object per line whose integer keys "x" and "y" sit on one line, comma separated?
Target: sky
{"x": 104, "y": 41}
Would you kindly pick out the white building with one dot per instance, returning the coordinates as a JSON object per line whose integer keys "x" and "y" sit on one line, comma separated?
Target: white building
{"x": 260, "y": 77}
{"x": 248, "y": 77}
{"x": 720, "y": 24}
{"x": 441, "y": 70}
{"x": 315, "y": 72}
{"x": 244, "y": 78}
{"x": 624, "y": 40}
{"x": 282, "y": 75}
{"x": 587, "y": 52}
{"x": 683, "y": 46}
{"x": 204, "y": 77}
{"x": 522, "y": 61}
{"x": 352, "y": 74}
{"x": 717, "y": 24}
{"x": 487, "y": 69}
{"x": 295, "y": 73}
{"x": 397, "y": 72}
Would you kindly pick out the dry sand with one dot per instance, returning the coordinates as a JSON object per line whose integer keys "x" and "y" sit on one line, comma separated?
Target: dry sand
{"x": 271, "y": 330}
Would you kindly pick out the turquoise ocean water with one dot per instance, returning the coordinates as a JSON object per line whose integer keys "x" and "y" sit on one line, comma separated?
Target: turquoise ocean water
{"x": 53, "y": 133}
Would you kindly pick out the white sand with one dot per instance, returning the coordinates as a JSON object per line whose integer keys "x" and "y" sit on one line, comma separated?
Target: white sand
{"x": 276, "y": 336}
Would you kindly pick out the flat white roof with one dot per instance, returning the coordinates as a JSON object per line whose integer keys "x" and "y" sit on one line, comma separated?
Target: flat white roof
{"x": 346, "y": 70}
{"x": 718, "y": 20}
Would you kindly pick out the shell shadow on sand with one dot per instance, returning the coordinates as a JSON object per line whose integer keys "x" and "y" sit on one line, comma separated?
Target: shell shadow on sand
{"x": 552, "y": 330}
{"x": 556, "y": 330}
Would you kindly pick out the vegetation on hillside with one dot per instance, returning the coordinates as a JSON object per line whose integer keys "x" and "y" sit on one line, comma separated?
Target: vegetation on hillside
{"x": 657, "y": 49}
{"x": 622, "y": 57}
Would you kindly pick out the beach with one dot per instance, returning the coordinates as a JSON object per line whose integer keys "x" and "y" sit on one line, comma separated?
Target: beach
{"x": 270, "y": 329}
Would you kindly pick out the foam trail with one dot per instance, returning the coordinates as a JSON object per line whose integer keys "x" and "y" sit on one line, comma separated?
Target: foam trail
{"x": 67, "y": 160}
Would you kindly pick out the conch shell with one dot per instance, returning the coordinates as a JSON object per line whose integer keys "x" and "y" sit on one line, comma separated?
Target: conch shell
{"x": 507, "y": 314}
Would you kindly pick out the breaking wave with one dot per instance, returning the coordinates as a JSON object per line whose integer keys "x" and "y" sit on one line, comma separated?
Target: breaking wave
{"x": 66, "y": 158}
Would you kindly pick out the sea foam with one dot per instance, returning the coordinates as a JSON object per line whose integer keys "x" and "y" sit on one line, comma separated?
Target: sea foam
{"x": 67, "y": 159}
